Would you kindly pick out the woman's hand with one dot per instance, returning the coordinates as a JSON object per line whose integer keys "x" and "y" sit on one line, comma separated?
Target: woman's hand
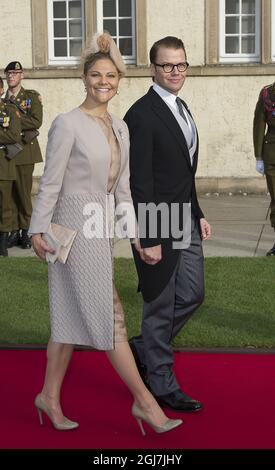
{"x": 40, "y": 246}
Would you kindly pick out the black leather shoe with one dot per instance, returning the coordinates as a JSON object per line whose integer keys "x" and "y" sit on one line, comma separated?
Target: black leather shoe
{"x": 271, "y": 252}
{"x": 14, "y": 239}
{"x": 4, "y": 243}
{"x": 179, "y": 401}
{"x": 25, "y": 240}
{"x": 140, "y": 366}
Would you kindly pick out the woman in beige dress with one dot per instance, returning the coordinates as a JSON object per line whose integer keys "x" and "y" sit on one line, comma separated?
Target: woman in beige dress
{"x": 87, "y": 162}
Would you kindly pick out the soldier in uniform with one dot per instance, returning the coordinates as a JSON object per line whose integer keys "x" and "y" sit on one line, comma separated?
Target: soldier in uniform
{"x": 264, "y": 144}
{"x": 10, "y": 134}
{"x": 28, "y": 102}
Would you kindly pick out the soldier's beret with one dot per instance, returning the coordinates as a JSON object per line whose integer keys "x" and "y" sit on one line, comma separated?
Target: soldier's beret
{"x": 13, "y": 66}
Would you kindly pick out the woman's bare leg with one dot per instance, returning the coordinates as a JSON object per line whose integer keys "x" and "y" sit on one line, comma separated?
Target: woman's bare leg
{"x": 123, "y": 361}
{"x": 58, "y": 358}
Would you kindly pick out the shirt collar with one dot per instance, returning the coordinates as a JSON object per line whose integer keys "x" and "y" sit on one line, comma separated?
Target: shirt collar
{"x": 9, "y": 93}
{"x": 168, "y": 97}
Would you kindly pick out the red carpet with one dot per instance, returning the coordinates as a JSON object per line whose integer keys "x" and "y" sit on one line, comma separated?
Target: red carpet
{"x": 238, "y": 392}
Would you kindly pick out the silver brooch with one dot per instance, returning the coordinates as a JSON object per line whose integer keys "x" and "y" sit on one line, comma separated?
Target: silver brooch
{"x": 121, "y": 133}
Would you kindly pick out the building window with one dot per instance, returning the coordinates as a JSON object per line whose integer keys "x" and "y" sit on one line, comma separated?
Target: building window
{"x": 66, "y": 31}
{"x": 118, "y": 18}
{"x": 240, "y": 30}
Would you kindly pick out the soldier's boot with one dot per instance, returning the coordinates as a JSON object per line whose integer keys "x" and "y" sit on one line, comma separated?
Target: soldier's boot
{"x": 14, "y": 239}
{"x": 271, "y": 252}
{"x": 4, "y": 243}
{"x": 25, "y": 240}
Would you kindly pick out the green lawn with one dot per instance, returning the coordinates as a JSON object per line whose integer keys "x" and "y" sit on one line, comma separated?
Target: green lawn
{"x": 239, "y": 308}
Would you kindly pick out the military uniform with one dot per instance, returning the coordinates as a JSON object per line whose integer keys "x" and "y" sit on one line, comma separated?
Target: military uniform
{"x": 264, "y": 142}
{"x": 10, "y": 133}
{"x": 29, "y": 104}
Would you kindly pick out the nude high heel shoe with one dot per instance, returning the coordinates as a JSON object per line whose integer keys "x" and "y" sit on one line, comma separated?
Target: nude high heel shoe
{"x": 167, "y": 426}
{"x": 66, "y": 425}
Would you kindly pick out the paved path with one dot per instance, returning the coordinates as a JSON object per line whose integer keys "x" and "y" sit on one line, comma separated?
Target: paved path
{"x": 240, "y": 226}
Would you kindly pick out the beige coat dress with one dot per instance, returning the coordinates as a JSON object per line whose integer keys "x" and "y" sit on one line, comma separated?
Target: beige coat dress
{"x": 76, "y": 176}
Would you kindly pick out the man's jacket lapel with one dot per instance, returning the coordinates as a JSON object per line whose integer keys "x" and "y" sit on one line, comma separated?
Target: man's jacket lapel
{"x": 166, "y": 115}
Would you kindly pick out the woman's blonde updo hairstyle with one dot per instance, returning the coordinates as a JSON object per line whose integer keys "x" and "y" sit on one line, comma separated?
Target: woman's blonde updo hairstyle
{"x": 102, "y": 46}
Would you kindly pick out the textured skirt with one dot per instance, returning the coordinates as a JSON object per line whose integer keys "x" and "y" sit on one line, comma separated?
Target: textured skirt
{"x": 84, "y": 305}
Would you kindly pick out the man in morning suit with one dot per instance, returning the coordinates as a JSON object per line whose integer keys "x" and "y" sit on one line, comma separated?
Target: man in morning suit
{"x": 163, "y": 161}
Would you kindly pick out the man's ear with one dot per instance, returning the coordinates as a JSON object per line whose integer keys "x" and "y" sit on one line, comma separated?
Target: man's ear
{"x": 153, "y": 71}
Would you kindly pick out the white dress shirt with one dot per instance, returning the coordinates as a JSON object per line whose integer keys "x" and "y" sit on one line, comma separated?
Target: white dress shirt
{"x": 188, "y": 128}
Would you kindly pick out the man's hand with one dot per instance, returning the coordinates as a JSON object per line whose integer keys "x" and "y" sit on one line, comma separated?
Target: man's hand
{"x": 40, "y": 246}
{"x": 260, "y": 166}
{"x": 205, "y": 229}
{"x": 152, "y": 255}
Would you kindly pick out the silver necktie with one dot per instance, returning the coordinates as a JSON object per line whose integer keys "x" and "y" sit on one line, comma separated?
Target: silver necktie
{"x": 179, "y": 103}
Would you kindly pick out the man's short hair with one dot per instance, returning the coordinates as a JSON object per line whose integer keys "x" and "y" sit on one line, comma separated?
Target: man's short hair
{"x": 1, "y": 83}
{"x": 171, "y": 42}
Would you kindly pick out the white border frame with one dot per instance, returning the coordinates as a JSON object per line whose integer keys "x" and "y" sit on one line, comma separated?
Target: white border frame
{"x": 73, "y": 60}
{"x": 239, "y": 58}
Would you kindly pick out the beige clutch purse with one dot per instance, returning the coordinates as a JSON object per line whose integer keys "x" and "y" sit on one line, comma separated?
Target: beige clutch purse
{"x": 60, "y": 238}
